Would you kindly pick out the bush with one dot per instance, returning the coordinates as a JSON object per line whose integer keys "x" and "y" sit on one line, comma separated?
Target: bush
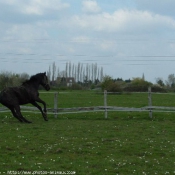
{"x": 156, "y": 88}
{"x": 136, "y": 88}
{"x": 111, "y": 86}
{"x": 114, "y": 87}
{"x": 76, "y": 86}
{"x": 138, "y": 85}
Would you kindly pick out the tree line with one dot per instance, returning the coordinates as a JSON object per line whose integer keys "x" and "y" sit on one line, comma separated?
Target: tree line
{"x": 138, "y": 84}
{"x": 12, "y": 79}
{"x": 82, "y": 73}
{"x": 91, "y": 76}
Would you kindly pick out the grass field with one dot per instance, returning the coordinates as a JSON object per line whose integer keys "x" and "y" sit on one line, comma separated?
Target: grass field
{"x": 125, "y": 143}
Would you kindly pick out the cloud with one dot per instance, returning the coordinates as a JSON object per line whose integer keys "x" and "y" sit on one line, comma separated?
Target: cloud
{"x": 90, "y": 6}
{"x": 87, "y": 30}
{"x": 39, "y": 7}
{"x": 25, "y": 32}
{"x": 35, "y": 7}
{"x": 32, "y": 11}
{"x": 125, "y": 21}
{"x": 81, "y": 39}
{"x": 165, "y": 7}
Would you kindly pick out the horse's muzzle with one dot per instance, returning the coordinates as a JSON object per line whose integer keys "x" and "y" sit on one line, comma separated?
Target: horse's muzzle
{"x": 47, "y": 87}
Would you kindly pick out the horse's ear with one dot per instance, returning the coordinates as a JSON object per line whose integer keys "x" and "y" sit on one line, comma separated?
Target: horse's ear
{"x": 44, "y": 73}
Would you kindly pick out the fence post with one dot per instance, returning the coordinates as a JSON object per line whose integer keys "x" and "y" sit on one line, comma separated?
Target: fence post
{"x": 56, "y": 104}
{"x": 150, "y": 102}
{"x": 105, "y": 104}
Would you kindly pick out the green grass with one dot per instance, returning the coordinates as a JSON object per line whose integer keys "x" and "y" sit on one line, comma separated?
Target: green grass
{"x": 126, "y": 143}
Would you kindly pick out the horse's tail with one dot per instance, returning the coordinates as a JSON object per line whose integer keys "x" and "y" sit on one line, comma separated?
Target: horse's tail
{"x": 0, "y": 96}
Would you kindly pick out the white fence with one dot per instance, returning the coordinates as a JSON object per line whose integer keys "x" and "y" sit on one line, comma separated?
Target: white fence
{"x": 150, "y": 109}
{"x": 55, "y": 110}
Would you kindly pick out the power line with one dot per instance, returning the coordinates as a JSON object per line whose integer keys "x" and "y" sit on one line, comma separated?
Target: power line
{"x": 84, "y": 39}
{"x": 84, "y": 55}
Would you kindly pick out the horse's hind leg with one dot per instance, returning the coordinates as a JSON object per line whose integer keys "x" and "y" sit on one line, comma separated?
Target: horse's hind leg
{"x": 15, "y": 115}
{"x": 18, "y": 113}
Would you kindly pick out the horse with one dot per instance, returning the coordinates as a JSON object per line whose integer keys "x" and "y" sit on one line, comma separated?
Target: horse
{"x": 27, "y": 92}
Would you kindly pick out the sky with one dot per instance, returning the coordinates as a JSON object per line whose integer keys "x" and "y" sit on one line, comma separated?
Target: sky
{"x": 128, "y": 38}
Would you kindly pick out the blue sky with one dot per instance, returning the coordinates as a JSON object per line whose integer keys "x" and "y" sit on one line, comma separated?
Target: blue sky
{"x": 126, "y": 37}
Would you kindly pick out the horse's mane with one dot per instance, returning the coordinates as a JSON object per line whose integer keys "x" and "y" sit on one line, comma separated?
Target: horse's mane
{"x": 33, "y": 78}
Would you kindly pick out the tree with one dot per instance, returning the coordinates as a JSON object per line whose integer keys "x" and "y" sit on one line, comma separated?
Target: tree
{"x": 107, "y": 80}
{"x": 171, "y": 80}
{"x": 49, "y": 73}
{"x": 53, "y": 71}
{"x": 160, "y": 82}
{"x": 70, "y": 67}
{"x": 24, "y": 76}
{"x": 73, "y": 72}
{"x": 101, "y": 74}
{"x": 79, "y": 72}
{"x": 67, "y": 69}
{"x": 140, "y": 82}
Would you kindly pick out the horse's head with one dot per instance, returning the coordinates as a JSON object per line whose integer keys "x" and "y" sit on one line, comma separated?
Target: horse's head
{"x": 45, "y": 82}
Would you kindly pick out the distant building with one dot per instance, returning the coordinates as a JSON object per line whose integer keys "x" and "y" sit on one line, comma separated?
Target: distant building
{"x": 65, "y": 81}
{"x": 143, "y": 77}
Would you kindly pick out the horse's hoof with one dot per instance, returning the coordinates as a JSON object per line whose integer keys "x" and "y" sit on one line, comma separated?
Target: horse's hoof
{"x": 28, "y": 122}
{"x": 45, "y": 116}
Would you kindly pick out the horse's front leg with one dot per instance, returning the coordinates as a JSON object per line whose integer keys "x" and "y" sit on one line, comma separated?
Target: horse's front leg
{"x": 41, "y": 101}
{"x": 44, "y": 114}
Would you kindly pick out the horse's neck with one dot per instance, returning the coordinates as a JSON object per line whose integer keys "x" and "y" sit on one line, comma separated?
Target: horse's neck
{"x": 33, "y": 85}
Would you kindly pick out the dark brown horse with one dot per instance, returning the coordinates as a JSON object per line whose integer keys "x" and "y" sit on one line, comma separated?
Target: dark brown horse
{"x": 13, "y": 97}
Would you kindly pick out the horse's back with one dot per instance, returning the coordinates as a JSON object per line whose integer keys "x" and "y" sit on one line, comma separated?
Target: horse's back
{"x": 14, "y": 95}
